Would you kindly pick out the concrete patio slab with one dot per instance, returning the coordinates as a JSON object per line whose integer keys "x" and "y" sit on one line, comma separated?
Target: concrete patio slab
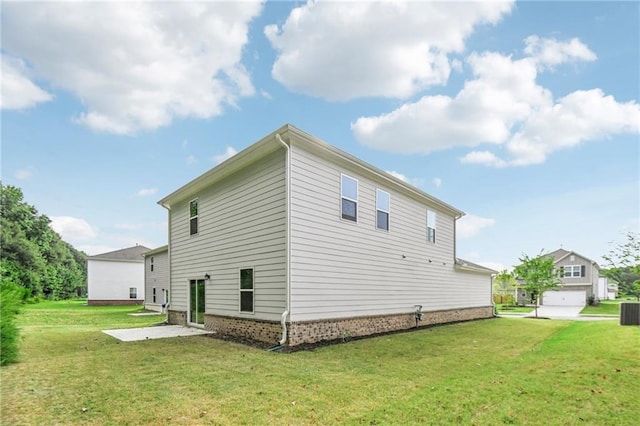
{"x": 157, "y": 332}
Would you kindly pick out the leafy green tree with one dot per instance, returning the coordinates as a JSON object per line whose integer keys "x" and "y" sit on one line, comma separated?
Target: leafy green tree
{"x": 623, "y": 262}
{"x": 33, "y": 255}
{"x": 538, "y": 274}
{"x": 504, "y": 284}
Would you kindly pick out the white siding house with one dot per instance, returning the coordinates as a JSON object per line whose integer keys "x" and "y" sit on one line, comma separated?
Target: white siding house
{"x": 117, "y": 277}
{"x": 156, "y": 279}
{"x": 294, "y": 241}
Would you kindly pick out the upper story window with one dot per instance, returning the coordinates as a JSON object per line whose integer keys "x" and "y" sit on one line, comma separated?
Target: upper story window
{"x": 151, "y": 263}
{"x": 193, "y": 217}
{"x": 431, "y": 226}
{"x": 383, "y": 201}
{"x": 349, "y": 191}
{"x": 573, "y": 271}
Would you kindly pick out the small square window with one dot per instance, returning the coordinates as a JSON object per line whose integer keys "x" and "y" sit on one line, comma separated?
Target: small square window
{"x": 133, "y": 293}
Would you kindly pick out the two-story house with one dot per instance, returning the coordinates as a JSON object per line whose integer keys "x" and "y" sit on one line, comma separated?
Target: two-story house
{"x": 293, "y": 240}
{"x": 579, "y": 276}
{"x": 156, "y": 278}
{"x": 116, "y": 277}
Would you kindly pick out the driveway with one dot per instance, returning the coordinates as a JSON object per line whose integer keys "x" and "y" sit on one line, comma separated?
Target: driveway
{"x": 559, "y": 312}
{"x": 157, "y": 332}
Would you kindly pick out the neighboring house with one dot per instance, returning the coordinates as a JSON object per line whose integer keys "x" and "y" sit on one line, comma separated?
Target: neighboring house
{"x": 293, "y": 241}
{"x": 580, "y": 278}
{"x": 607, "y": 290}
{"x": 117, "y": 277}
{"x": 156, "y": 279}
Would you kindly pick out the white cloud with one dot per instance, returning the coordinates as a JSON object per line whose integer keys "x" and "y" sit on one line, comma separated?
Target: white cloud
{"x": 72, "y": 229}
{"x": 549, "y": 52}
{"x": 483, "y": 157}
{"x": 347, "y": 50}
{"x": 23, "y": 174}
{"x": 18, "y": 91}
{"x": 411, "y": 181}
{"x": 138, "y": 65}
{"x": 470, "y": 225}
{"x": 144, "y": 192}
{"x": 504, "y": 105}
{"x": 228, "y": 153}
{"x": 437, "y": 182}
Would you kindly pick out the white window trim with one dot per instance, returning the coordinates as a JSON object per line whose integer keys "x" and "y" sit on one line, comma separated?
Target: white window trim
{"x": 573, "y": 270}
{"x": 434, "y": 227}
{"x": 388, "y": 211}
{"x": 349, "y": 198}
{"x": 136, "y": 293}
{"x": 240, "y": 290}
{"x": 197, "y": 216}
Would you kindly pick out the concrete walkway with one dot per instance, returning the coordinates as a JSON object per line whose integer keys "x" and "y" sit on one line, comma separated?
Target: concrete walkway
{"x": 157, "y": 332}
{"x": 560, "y": 313}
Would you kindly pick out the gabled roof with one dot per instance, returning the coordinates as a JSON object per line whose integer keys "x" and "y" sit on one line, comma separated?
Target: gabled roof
{"x": 270, "y": 143}
{"x": 562, "y": 254}
{"x": 473, "y": 267}
{"x": 157, "y": 250}
{"x": 131, "y": 254}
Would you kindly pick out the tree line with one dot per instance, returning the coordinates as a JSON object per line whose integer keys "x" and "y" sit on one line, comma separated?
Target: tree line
{"x": 33, "y": 256}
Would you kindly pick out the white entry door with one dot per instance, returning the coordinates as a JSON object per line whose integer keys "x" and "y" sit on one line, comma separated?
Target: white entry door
{"x": 564, "y": 298}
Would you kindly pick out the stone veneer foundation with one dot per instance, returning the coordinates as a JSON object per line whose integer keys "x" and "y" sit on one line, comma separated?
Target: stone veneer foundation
{"x": 300, "y": 332}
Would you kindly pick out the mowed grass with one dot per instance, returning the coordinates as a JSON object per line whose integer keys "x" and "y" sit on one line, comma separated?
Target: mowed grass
{"x": 497, "y": 371}
{"x": 606, "y": 307}
{"x": 502, "y": 309}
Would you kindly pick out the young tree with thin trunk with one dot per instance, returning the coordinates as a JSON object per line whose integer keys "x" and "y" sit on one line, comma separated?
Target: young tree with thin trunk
{"x": 623, "y": 262}
{"x": 538, "y": 274}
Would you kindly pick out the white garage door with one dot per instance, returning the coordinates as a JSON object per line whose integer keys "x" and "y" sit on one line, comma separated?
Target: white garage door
{"x": 564, "y": 298}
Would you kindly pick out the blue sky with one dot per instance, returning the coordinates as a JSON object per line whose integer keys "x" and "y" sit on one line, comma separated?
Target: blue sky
{"x": 524, "y": 115}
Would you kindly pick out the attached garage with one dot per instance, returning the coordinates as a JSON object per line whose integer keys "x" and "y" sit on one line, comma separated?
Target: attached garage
{"x": 564, "y": 298}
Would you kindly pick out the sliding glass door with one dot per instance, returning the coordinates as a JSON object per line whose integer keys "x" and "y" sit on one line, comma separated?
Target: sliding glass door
{"x": 196, "y": 302}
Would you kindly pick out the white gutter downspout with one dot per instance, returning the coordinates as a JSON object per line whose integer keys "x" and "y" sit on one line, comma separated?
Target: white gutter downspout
{"x": 169, "y": 292}
{"x": 283, "y": 321}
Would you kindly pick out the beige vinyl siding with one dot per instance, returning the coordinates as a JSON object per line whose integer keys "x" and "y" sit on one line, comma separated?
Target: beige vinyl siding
{"x": 590, "y": 278}
{"x": 340, "y": 268}
{"x": 158, "y": 278}
{"x": 241, "y": 224}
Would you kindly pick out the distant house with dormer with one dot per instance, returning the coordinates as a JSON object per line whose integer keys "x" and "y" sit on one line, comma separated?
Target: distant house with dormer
{"x": 580, "y": 278}
{"x": 116, "y": 277}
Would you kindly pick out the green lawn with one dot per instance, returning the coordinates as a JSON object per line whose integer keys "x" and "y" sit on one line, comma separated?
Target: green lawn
{"x": 502, "y": 309}
{"x": 491, "y": 372}
{"x": 606, "y": 307}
